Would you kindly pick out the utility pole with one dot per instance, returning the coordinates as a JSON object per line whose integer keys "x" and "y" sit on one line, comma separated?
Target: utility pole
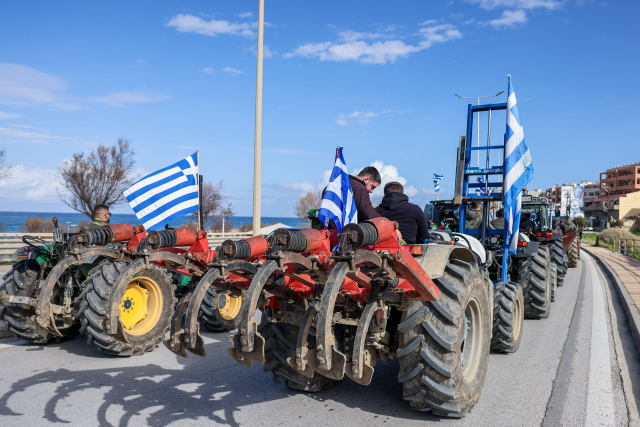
{"x": 257, "y": 155}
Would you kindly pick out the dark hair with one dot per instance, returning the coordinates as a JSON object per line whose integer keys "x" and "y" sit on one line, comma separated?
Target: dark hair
{"x": 393, "y": 187}
{"x": 500, "y": 213}
{"x": 372, "y": 173}
{"x": 527, "y": 215}
{"x": 100, "y": 208}
{"x": 475, "y": 205}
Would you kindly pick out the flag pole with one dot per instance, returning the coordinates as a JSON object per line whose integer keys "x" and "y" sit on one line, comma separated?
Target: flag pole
{"x": 199, "y": 191}
{"x": 257, "y": 155}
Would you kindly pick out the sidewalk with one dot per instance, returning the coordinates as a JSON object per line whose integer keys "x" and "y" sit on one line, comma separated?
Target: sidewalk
{"x": 625, "y": 273}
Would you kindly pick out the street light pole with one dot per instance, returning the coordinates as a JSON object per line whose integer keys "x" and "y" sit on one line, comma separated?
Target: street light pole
{"x": 478, "y": 121}
{"x": 257, "y": 155}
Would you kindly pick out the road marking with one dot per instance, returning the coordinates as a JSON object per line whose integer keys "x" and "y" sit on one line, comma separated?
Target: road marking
{"x": 12, "y": 344}
{"x": 600, "y": 410}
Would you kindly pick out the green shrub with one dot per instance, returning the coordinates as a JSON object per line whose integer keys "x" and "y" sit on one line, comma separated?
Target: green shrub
{"x": 616, "y": 223}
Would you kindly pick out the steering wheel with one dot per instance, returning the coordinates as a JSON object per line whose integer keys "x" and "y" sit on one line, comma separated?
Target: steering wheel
{"x": 36, "y": 244}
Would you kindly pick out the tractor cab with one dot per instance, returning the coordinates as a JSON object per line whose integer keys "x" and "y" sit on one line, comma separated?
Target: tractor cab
{"x": 442, "y": 214}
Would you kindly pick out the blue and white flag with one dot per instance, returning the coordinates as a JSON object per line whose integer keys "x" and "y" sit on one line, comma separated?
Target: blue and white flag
{"x": 166, "y": 194}
{"x": 338, "y": 203}
{"x": 436, "y": 181}
{"x": 518, "y": 170}
{"x": 481, "y": 191}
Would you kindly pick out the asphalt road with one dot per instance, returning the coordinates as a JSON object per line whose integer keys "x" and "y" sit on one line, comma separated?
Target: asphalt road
{"x": 578, "y": 367}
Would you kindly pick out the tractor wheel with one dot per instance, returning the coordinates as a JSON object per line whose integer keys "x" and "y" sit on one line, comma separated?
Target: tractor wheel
{"x": 280, "y": 344}
{"x": 21, "y": 281}
{"x": 443, "y": 347}
{"x": 537, "y": 289}
{"x": 557, "y": 256}
{"x": 573, "y": 254}
{"x": 554, "y": 282}
{"x": 145, "y": 311}
{"x": 219, "y": 311}
{"x": 508, "y": 316}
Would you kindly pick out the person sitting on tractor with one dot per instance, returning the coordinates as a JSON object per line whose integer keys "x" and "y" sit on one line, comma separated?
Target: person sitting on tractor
{"x": 362, "y": 185}
{"x": 498, "y": 222}
{"x": 474, "y": 216}
{"x": 527, "y": 225}
{"x": 567, "y": 225}
{"x": 395, "y": 206}
{"x": 101, "y": 216}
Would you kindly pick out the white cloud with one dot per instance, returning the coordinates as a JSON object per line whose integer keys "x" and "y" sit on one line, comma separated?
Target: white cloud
{"x": 351, "y": 46}
{"x": 26, "y": 183}
{"x": 21, "y": 85}
{"x": 123, "y": 99}
{"x": 245, "y": 15}
{"x": 233, "y": 71}
{"x": 363, "y": 117}
{"x": 208, "y": 70}
{"x": 509, "y": 19}
{"x": 267, "y": 53}
{"x": 517, "y": 4}
{"x": 194, "y": 24}
{"x": 7, "y": 116}
{"x": 35, "y": 137}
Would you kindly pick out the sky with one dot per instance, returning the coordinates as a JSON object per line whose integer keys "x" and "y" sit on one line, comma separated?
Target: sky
{"x": 375, "y": 77}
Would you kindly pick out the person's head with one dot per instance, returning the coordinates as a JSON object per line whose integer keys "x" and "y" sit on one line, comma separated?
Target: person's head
{"x": 476, "y": 206}
{"x": 500, "y": 213}
{"x": 393, "y": 187}
{"x": 526, "y": 215}
{"x": 371, "y": 178}
{"x": 567, "y": 218}
{"x": 102, "y": 212}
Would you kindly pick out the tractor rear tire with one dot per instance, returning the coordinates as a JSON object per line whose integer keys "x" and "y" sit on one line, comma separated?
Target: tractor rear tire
{"x": 557, "y": 256}
{"x": 554, "y": 282}
{"x": 443, "y": 348}
{"x": 508, "y": 316}
{"x": 573, "y": 254}
{"x": 21, "y": 281}
{"x": 219, "y": 311}
{"x": 537, "y": 289}
{"x": 280, "y": 344}
{"x": 148, "y": 332}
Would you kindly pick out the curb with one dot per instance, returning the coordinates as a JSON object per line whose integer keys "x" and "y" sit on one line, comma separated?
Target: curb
{"x": 633, "y": 317}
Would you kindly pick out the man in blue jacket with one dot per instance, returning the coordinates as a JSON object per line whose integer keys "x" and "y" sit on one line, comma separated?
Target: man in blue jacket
{"x": 395, "y": 206}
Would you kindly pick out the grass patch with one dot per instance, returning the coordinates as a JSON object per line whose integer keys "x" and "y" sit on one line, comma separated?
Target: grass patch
{"x": 589, "y": 238}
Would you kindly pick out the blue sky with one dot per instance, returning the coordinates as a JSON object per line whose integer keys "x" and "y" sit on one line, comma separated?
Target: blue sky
{"x": 376, "y": 77}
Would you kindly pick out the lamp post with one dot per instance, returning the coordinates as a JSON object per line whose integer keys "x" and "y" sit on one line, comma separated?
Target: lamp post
{"x": 257, "y": 155}
{"x": 478, "y": 121}
{"x": 68, "y": 226}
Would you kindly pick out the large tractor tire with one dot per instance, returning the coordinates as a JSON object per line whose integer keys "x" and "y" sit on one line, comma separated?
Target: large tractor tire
{"x": 557, "y": 256}
{"x": 220, "y": 311}
{"x": 508, "y": 316}
{"x": 554, "y": 282}
{"x": 280, "y": 344}
{"x": 573, "y": 254}
{"x": 537, "y": 287}
{"x": 145, "y": 309}
{"x": 443, "y": 348}
{"x": 21, "y": 281}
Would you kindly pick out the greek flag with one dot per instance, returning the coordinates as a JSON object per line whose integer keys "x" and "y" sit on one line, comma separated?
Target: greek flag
{"x": 518, "y": 170}
{"x": 436, "y": 181}
{"x": 338, "y": 203}
{"x": 166, "y": 194}
{"x": 481, "y": 190}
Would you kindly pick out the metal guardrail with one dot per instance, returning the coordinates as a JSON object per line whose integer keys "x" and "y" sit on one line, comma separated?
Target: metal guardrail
{"x": 10, "y": 242}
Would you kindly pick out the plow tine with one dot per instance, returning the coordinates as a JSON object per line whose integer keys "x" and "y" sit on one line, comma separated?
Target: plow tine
{"x": 191, "y": 337}
{"x": 174, "y": 343}
{"x": 330, "y": 362}
{"x": 361, "y": 368}
{"x": 248, "y": 344}
{"x": 302, "y": 362}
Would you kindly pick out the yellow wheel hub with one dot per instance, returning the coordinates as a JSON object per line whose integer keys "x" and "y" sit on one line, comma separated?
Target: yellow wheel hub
{"x": 141, "y": 306}
{"x": 229, "y": 306}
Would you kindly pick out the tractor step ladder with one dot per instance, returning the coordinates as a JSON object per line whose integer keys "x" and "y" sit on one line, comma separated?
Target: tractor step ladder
{"x": 468, "y": 189}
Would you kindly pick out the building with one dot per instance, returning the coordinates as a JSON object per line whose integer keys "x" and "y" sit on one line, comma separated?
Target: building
{"x": 618, "y": 195}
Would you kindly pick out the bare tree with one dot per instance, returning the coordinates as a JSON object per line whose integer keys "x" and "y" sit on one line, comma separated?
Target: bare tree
{"x": 5, "y": 170}
{"x": 306, "y": 203}
{"x": 212, "y": 198}
{"x": 37, "y": 225}
{"x": 97, "y": 179}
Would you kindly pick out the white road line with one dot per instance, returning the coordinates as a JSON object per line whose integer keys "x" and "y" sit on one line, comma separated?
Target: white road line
{"x": 12, "y": 344}
{"x": 600, "y": 410}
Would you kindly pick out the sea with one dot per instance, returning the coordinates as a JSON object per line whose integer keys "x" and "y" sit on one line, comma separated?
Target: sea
{"x": 11, "y": 221}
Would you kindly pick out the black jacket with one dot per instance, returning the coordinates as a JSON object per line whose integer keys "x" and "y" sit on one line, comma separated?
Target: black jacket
{"x": 410, "y": 218}
{"x": 363, "y": 202}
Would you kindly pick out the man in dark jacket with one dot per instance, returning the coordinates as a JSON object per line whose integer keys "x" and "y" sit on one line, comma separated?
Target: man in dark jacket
{"x": 527, "y": 225}
{"x": 362, "y": 185}
{"x": 395, "y": 206}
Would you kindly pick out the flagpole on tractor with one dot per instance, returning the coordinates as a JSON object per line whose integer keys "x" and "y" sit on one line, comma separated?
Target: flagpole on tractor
{"x": 199, "y": 191}
{"x": 257, "y": 156}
